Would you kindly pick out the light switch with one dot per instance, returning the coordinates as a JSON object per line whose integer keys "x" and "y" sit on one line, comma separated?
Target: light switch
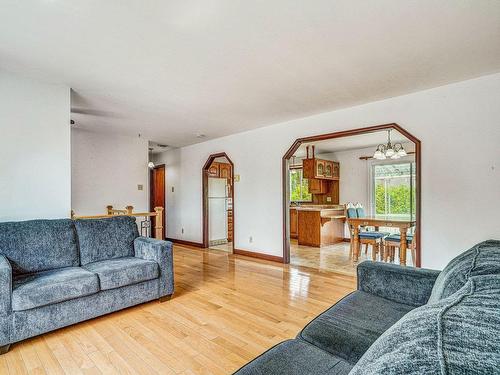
{"x": 236, "y": 178}
{"x": 172, "y": 189}
{"x": 139, "y": 187}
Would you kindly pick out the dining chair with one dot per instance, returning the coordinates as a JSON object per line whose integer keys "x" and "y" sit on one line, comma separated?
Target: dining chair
{"x": 392, "y": 243}
{"x": 365, "y": 237}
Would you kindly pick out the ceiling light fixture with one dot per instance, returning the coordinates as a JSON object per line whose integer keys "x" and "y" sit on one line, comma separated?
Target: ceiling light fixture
{"x": 389, "y": 150}
{"x": 151, "y": 165}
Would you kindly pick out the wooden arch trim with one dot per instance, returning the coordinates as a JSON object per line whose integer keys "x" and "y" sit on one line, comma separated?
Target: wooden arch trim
{"x": 348, "y": 133}
{"x": 204, "y": 178}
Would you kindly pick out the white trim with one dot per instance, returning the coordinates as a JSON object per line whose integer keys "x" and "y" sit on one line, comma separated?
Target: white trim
{"x": 371, "y": 181}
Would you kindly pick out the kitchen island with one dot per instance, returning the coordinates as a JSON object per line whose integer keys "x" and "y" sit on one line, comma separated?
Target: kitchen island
{"x": 320, "y": 225}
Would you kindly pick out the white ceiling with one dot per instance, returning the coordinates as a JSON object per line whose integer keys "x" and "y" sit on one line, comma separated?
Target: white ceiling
{"x": 354, "y": 142}
{"x": 172, "y": 69}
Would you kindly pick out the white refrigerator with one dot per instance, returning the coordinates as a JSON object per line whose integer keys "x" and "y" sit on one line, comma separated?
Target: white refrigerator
{"x": 217, "y": 210}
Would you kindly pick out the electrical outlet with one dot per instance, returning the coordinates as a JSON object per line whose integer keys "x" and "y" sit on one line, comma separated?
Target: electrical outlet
{"x": 250, "y": 239}
{"x": 172, "y": 189}
{"x": 328, "y": 199}
{"x": 182, "y": 230}
{"x": 139, "y": 187}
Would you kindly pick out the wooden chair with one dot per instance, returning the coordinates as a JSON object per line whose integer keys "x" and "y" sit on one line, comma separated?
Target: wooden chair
{"x": 373, "y": 238}
{"x": 392, "y": 243}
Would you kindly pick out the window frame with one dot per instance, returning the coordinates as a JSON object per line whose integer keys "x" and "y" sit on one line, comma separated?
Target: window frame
{"x": 371, "y": 179}
{"x": 301, "y": 179}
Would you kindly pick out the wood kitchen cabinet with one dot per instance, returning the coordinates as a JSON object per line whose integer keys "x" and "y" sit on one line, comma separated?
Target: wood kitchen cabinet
{"x": 320, "y": 169}
{"x": 225, "y": 170}
{"x": 294, "y": 223}
{"x": 317, "y": 186}
{"x": 213, "y": 170}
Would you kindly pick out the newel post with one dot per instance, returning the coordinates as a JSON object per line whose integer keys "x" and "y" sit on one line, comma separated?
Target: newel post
{"x": 109, "y": 210}
{"x": 159, "y": 223}
{"x": 129, "y": 209}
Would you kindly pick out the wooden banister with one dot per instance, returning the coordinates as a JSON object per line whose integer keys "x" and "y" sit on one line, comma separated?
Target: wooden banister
{"x": 128, "y": 211}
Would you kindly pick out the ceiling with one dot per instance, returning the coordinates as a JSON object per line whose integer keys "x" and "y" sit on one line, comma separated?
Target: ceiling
{"x": 354, "y": 142}
{"x": 174, "y": 69}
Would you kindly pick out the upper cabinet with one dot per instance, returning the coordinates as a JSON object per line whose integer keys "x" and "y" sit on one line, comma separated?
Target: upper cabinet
{"x": 213, "y": 170}
{"x": 321, "y": 169}
{"x": 225, "y": 170}
{"x": 221, "y": 170}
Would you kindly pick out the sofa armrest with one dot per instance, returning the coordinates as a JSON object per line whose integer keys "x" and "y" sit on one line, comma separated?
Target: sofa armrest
{"x": 161, "y": 252}
{"x": 5, "y": 286}
{"x": 408, "y": 285}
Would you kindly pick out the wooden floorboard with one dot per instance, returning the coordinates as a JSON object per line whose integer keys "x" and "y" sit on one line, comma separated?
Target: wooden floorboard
{"x": 227, "y": 309}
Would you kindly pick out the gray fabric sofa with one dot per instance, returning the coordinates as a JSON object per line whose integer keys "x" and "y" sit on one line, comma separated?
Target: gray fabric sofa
{"x": 54, "y": 273}
{"x": 403, "y": 320}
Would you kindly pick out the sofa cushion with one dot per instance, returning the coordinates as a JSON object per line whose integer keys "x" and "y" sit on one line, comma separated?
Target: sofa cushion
{"x": 482, "y": 259}
{"x": 349, "y": 327}
{"x": 39, "y": 245}
{"x": 109, "y": 238}
{"x": 295, "y": 357}
{"x": 456, "y": 335}
{"x": 49, "y": 287}
{"x": 115, "y": 273}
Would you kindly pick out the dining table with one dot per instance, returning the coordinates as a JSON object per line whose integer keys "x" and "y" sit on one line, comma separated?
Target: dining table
{"x": 376, "y": 221}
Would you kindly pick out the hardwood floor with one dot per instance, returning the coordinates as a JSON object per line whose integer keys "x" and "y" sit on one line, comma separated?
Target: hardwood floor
{"x": 227, "y": 309}
{"x": 333, "y": 258}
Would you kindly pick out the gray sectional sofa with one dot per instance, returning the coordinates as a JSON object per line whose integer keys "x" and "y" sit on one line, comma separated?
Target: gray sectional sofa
{"x": 54, "y": 273}
{"x": 403, "y": 320}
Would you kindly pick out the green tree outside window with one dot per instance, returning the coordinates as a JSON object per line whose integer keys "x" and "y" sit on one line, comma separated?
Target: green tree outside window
{"x": 299, "y": 187}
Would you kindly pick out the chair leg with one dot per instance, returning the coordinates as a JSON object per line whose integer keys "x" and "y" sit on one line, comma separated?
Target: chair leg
{"x": 414, "y": 256}
{"x": 366, "y": 248}
{"x": 374, "y": 251}
{"x": 4, "y": 349}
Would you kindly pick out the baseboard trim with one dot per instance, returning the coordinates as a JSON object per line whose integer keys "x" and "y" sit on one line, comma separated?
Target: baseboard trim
{"x": 187, "y": 243}
{"x": 251, "y": 254}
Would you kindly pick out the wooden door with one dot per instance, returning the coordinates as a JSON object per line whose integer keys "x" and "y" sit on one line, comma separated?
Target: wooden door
{"x": 320, "y": 168}
{"x": 157, "y": 194}
{"x": 328, "y": 169}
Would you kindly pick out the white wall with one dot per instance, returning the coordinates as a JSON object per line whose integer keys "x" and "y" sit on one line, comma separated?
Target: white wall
{"x": 458, "y": 124}
{"x": 106, "y": 169}
{"x": 34, "y": 149}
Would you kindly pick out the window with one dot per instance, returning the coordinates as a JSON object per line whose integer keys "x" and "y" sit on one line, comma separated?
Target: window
{"x": 299, "y": 187}
{"x": 394, "y": 190}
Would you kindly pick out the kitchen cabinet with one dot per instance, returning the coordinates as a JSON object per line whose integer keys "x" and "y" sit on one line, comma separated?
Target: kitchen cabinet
{"x": 317, "y": 186}
{"x": 213, "y": 170}
{"x": 230, "y": 225}
{"x": 320, "y": 226}
{"x": 225, "y": 170}
{"x": 320, "y": 169}
{"x": 293, "y": 223}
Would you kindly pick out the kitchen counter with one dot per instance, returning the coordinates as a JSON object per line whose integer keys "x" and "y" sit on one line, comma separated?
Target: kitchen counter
{"x": 320, "y": 225}
{"x": 318, "y": 207}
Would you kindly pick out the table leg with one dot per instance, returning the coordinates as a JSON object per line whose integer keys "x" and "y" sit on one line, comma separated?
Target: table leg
{"x": 356, "y": 242}
{"x": 402, "y": 247}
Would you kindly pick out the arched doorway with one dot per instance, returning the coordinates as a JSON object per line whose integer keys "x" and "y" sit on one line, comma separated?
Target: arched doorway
{"x": 218, "y": 167}
{"x": 348, "y": 133}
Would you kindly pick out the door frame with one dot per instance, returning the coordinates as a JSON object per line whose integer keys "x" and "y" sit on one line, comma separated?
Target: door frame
{"x": 347, "y": 133}
{"x": 204, "y": 189}
{"x": 151, "y": 195}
